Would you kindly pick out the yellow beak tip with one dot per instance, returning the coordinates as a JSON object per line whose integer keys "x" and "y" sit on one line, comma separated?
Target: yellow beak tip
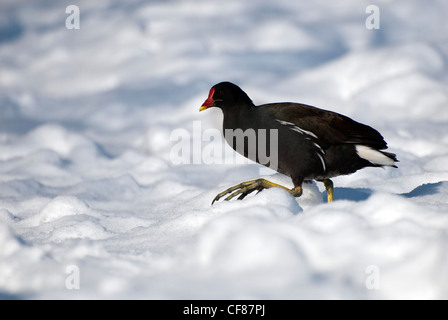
{"x": 203, "y": 108}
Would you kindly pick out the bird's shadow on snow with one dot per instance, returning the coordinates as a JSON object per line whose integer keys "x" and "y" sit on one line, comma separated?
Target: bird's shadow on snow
{"x": 361, "y": 194}
{"x": 351, "y": 194}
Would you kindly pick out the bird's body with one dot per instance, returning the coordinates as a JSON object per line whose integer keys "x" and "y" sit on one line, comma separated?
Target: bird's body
{"x": 310, "y": 143}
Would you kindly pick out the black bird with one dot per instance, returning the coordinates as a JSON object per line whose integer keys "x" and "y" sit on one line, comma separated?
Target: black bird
{"x": 308, "y": 143}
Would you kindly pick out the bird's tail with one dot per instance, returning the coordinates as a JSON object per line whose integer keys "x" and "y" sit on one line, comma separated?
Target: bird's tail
{"x": 376, "y": 157}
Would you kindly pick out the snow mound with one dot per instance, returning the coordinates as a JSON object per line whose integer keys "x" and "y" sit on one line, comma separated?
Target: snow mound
{"x": 57, "y": 208}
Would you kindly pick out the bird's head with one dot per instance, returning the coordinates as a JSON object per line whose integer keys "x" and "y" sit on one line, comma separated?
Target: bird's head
{"x": 225, "y": 95}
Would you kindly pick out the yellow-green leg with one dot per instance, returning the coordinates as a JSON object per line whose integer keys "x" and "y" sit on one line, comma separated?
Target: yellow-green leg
{"x": 245, "y": 188}
{"x": 329, "y": 187}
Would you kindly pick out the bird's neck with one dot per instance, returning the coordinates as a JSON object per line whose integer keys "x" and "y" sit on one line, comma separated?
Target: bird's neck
{"x": 237, "y": 116}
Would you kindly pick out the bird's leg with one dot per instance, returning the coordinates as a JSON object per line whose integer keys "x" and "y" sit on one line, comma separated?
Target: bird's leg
{"x": 245, "y": 188}
{"x": 329, "y": 187}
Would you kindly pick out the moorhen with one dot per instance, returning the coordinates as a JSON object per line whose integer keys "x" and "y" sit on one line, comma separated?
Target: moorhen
{"x": 307, "y": 143}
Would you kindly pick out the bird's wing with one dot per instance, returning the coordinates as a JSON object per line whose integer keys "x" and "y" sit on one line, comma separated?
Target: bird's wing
{"x": 329, "y": 127}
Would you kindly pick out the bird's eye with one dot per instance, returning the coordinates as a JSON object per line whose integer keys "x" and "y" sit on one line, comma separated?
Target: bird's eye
{"x": 221, "y": 92}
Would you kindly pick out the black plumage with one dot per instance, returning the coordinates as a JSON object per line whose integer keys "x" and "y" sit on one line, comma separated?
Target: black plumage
{"x": 311, "y": 143}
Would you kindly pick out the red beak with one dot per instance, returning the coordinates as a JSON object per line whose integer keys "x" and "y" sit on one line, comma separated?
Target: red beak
{"x": 209, "y": 102}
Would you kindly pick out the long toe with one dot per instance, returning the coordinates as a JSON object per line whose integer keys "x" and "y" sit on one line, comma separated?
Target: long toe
{"x": 242, "y": 189}
{"x": 245, "y": 188}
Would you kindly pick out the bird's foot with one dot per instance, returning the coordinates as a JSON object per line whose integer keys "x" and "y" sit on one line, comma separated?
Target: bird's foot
{"x": 247, "y": 187}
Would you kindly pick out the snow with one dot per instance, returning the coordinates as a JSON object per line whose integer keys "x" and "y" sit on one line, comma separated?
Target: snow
{"x": 87, "y": 177}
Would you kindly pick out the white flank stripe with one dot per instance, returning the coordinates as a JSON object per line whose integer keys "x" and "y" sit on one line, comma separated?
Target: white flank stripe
{"x": 373, "y": 156}
{"x": 286, "y": 123}
{"x": 302, "y": 131}
{"x": 319, "y": 147}
{"x": 297, "y": 129}
{"x": 323, "y": 161}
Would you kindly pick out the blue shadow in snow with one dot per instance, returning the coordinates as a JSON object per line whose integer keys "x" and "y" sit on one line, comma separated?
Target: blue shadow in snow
{"x": 10, "y": 29}
{"x": 425, "y": 190}
{"x": 351, "y": 194}
{"x": 360, "y": 194}
{"x": 13, "y": 296}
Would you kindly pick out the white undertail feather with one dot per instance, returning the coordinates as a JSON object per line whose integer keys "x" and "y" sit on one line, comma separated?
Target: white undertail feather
{"x": 373, "y": 156}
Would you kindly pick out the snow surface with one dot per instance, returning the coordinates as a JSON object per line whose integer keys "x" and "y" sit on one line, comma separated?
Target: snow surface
{"x": 87, "y": 179}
